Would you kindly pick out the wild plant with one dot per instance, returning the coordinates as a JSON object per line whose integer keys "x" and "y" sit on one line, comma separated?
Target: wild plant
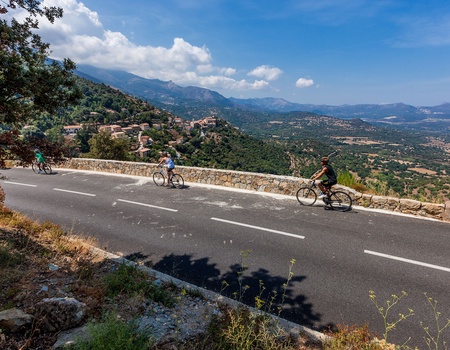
{"x": 384, "y": 311}
{"x": 245, "y": 329}
{"x": 352, "y": 337}
{"x": 239, "y": 295}
{"x": 433, "y": 342}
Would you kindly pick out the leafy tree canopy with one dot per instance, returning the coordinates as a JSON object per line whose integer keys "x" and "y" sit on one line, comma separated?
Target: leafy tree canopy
{"x": 104, "y": 147}
{"x": 28, "y": 84}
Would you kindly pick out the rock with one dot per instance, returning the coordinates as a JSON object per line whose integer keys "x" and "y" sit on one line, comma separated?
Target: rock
{"x": 59, "y": 314}
{"x": 432, "y": 210}
{"x": 69, "y": 337}
{"x": 409, "y": 206}
{"x": 15, "y": 319}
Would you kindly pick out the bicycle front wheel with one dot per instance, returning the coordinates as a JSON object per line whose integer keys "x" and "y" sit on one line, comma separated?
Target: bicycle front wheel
{"x": 340, "y": 201}
{"x": 47, "y": 168}
{"x": 177, "y": 181}
{"x": 158, "y": 178}
{"x": 35, "y": 167}
{"x": 306, "y": 195}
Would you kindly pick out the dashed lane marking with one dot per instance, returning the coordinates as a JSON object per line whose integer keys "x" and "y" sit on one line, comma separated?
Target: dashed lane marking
{"x": 148, "y": 205}
{"x": 259, "y": 228}
{"x": 414, "y": 262}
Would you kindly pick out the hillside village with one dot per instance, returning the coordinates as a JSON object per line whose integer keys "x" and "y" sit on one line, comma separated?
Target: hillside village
{"x": 140, "y": 142}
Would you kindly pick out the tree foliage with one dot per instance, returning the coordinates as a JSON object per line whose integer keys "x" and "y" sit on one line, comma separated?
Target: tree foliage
{"x": 29, "y": 84}
{"x": 104, "y": 147}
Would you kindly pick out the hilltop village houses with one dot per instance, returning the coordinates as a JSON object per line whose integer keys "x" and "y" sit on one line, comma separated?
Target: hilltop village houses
{"x": 141, "y": 148}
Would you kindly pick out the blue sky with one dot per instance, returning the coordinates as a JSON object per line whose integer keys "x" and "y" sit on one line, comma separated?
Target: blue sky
{"x": 307, "y": 51}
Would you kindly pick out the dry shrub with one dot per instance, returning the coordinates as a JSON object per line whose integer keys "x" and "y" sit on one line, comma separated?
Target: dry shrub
{"x": 353, "y": 337}
{"x": 2, "y": 197}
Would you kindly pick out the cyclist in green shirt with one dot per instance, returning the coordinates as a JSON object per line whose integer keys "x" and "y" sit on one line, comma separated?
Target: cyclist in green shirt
{"x": 40, "y": 158}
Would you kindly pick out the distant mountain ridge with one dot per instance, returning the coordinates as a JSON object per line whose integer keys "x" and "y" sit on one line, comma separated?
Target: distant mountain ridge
{"x": 155, "y": 90}
{"x": 175, "y": 98}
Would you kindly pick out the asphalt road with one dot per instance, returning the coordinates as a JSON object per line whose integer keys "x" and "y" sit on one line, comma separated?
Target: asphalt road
{"x": 207, "y": 235}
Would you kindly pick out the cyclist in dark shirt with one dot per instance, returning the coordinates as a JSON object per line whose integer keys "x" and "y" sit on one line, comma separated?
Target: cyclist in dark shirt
{"x": 331, "y": 179}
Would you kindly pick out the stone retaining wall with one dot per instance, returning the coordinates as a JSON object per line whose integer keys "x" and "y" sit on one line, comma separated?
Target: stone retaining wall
{"x": 286, "y": 185}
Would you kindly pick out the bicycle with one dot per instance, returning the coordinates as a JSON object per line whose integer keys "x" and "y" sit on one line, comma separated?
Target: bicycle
{"x": 336, "y": 200}
{"x": 160, "y": 176}
{"x": 45, "y": 167}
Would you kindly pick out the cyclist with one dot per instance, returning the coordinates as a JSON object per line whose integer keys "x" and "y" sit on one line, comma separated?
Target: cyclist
{"x": 169, "y": 164}
{"x": 40, "y": 159}
{"x": 331, "y": 179}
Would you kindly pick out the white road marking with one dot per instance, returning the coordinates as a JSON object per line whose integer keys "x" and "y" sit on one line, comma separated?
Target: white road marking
{"x": 437, "y": 267}
{"x": 259, "y": 228}
{"x": 20, "y": 184}
{"x": 147, "y": 205}
{"x": 75, "y": 192}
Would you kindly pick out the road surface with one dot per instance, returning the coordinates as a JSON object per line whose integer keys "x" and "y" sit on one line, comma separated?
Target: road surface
{"x": 207, "y": 235}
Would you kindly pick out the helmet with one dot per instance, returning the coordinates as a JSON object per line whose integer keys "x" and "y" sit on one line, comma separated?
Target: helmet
{"x": 324, "y": 159}
{"x": 36, "y": 150}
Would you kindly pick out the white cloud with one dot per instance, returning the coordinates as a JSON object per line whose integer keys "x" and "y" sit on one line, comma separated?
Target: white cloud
{"x": 266, "y": 72}
{"x": 223, "y": 82}
{"x": 304, "y": 83}
{"x": 81, "y": 36}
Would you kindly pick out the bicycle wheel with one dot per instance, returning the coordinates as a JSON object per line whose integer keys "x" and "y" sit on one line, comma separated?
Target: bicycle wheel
{"x": 340, "y": 201}
{"x": 158, "y": 178}
{"x": 177, "y": 181}
{"x": 47, "y": 168}
{"x": 306, "y": 195}
{"x": 35, "y": 167}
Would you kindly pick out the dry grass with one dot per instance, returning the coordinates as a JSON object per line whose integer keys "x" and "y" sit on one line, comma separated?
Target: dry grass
{"x": 42, "y": 261}
{"x": 39, "y": 261}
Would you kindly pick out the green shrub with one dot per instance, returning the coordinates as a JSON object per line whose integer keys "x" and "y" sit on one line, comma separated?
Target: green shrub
{"x": 128, "y": 279}
{"x": 9, "y": 258}
{"x": 113, "y": 334}
{"x": 346, "y": 178}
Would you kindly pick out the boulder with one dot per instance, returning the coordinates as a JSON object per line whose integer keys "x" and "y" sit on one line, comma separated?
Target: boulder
{"x": 14, "y": 320}
{"x": 59, "y": 314}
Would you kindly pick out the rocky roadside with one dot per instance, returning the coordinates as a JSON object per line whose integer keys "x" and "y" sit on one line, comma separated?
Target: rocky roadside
{"x": 49, "y": 293}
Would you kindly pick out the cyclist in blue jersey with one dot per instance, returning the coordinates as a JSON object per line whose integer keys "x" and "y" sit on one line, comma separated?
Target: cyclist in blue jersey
{"x": 169, "y": 164}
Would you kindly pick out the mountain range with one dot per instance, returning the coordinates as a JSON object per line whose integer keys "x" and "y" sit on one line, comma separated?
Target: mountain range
{"x": 191, "y": 100}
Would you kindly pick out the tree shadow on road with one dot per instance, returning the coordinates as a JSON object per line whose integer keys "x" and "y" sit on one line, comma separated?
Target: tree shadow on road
{"x": 279, "y": 297}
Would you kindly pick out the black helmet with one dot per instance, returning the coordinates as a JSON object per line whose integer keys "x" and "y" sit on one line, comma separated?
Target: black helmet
{"x": 324, "y": 160}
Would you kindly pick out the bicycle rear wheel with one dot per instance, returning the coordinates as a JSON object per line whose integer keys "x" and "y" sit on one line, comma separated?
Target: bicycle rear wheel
{"x": 47, "y": 168}
{"x": 177, "y": 181}
{"x": 306, "y": 195}
{"x": 340, "y": 201}
{"x": 158, "y": 178}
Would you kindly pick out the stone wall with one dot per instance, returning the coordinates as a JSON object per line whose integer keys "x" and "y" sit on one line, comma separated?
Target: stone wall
{"x": 278, "y": 184}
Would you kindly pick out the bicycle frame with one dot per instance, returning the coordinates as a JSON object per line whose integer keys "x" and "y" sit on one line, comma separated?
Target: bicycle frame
{"x": 164, "y": 172}
{"x": 336, "y": 200}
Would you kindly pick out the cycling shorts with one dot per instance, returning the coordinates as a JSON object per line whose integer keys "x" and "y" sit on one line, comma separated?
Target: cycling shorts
{"x": 327, "y": 183}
